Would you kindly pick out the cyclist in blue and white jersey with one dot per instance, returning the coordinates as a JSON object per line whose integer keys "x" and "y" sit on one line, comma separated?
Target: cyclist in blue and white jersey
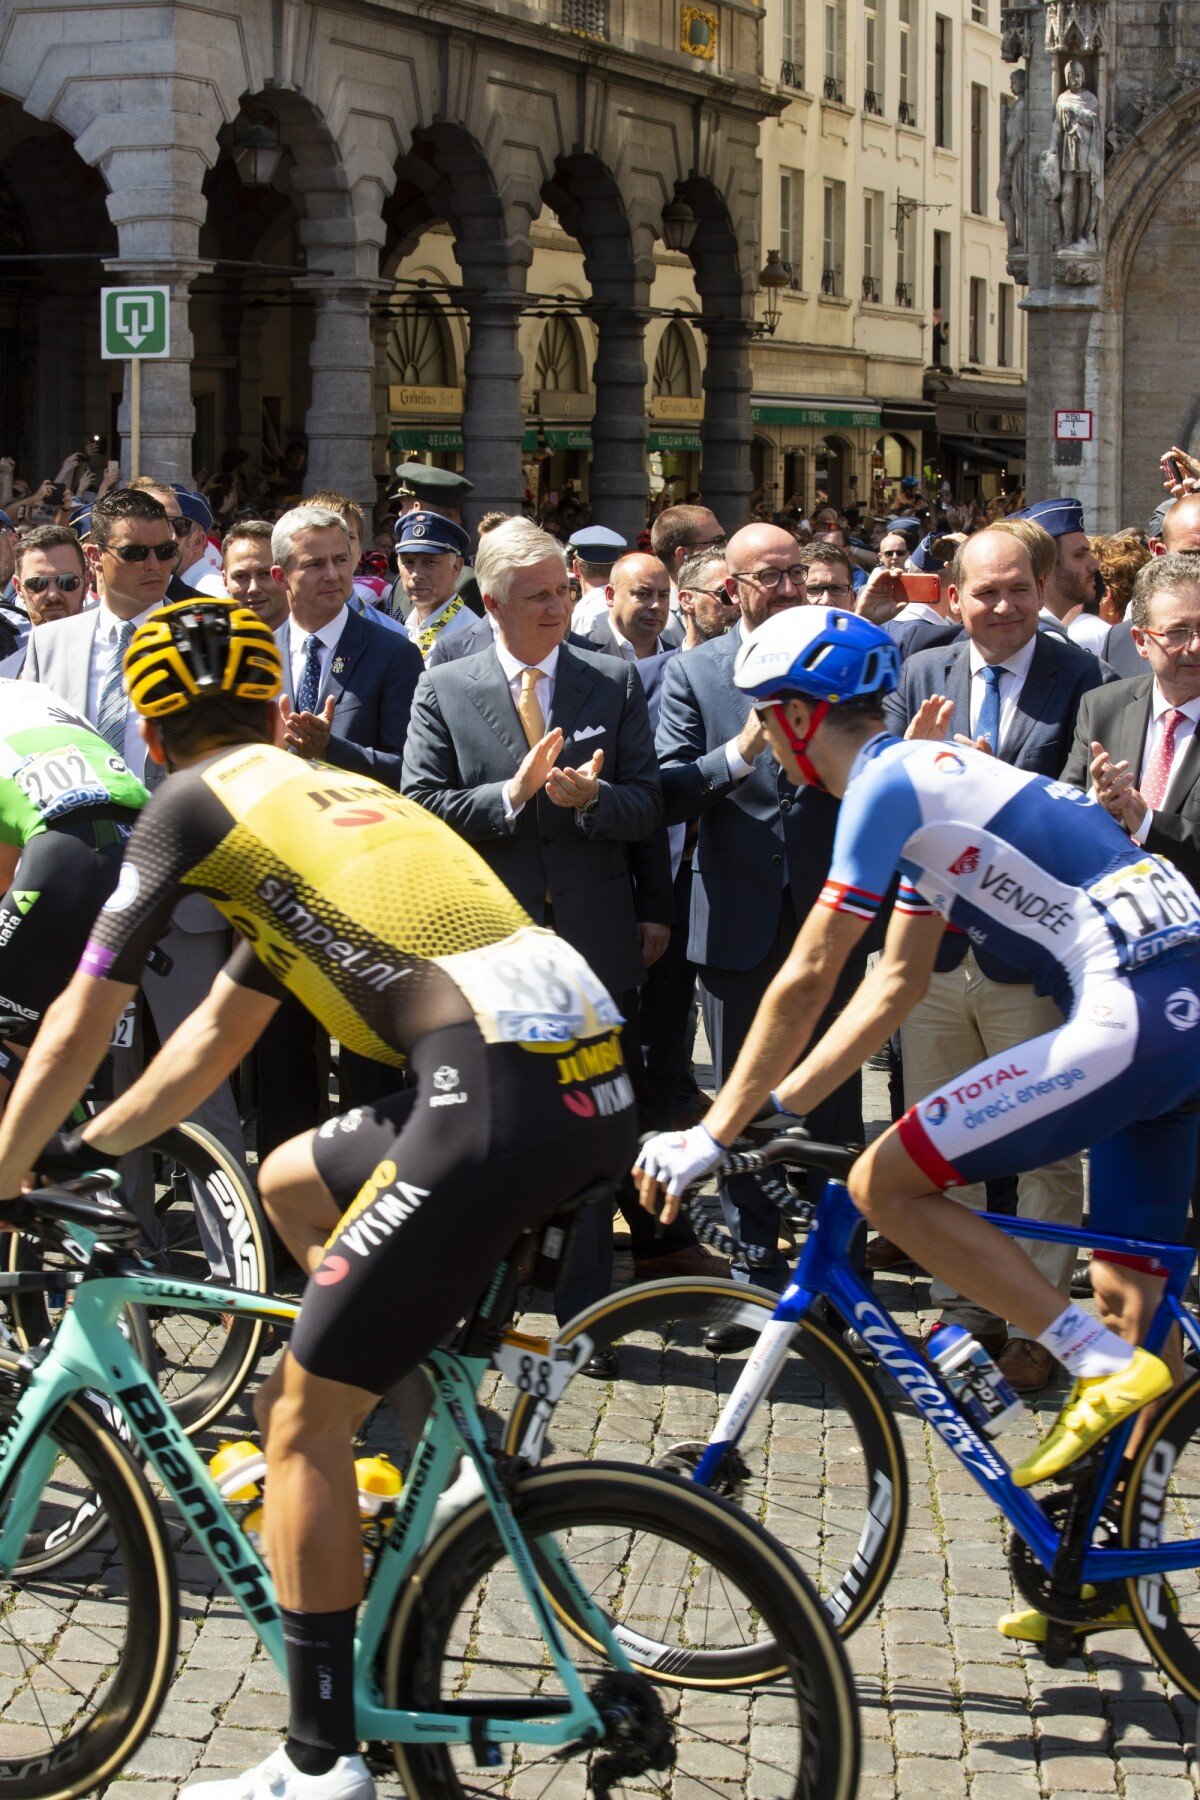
{"x": 1045, "y": 879}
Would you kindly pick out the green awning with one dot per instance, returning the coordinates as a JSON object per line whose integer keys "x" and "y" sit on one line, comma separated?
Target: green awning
{"x": 558, "y": 437}
{"x": 426, "y": 437}
{"x": 779, "y": 412}
{"x": 673, "y": 440}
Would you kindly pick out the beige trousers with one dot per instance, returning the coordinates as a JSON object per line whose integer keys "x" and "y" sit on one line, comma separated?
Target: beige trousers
{"x": 963, "y": 1018}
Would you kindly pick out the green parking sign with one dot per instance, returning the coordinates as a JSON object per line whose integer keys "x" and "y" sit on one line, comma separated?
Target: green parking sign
{"x": 134, "y": 322}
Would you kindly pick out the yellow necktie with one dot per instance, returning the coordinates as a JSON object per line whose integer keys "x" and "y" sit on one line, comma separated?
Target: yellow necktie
{"x": 532, "y": 718}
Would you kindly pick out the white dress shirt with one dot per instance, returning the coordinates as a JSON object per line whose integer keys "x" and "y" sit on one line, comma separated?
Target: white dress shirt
{"x": 1089, "y": 631}
{"x": 919, "y": 609}
{"x": 545, "y": 698}
{"x": 327, "y": 636}
{"x": 735, "y": 762}
{"x": 1012, "y": 681}
{"x": 1186, "y": 729}
{"x": 108, "y": 630}
{"x": 588, "y": 608}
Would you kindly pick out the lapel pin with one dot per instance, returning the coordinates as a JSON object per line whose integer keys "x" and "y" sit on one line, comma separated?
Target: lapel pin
{"x": 339, "y": 665}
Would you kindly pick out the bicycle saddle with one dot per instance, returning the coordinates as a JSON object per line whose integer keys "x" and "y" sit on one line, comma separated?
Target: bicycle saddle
{"x": 58, "y": 1211}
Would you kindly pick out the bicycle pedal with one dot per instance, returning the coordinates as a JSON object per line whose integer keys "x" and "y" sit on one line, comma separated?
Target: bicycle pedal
{"x": 1062, "y": 1642}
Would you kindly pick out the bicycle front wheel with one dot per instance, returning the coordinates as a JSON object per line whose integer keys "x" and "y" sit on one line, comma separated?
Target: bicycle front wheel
{"x": 820, "y": 1463}
{"x": 1162, "y": 1505}
{"x": 89, "y": 1651}
{"x": 670, "y": 1565}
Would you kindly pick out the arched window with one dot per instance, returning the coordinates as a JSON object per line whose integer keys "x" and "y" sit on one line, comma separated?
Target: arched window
{"x": 674, "y": 374}
{"x": 419, "y": 349}
{"x": 559, "y": 367}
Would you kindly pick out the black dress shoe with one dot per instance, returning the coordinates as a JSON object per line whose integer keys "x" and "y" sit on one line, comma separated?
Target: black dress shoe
{"x": 602, "y": 1366}
{"x": 723, "y": 1340}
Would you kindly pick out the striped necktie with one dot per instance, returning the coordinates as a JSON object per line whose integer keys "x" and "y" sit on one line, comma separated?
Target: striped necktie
{"x": 113, "y": 706}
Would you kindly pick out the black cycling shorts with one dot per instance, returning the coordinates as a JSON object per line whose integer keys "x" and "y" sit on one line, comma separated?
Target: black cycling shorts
{"x": 439, "y": 1182}
{"x": 63, "y": 879}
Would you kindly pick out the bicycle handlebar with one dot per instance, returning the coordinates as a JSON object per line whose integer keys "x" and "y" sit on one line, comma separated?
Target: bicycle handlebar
{"x": 794, "y": 1149}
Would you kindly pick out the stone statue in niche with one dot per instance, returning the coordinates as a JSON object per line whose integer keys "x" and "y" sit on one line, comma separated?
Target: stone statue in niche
{"x": 1077, "y": 149}
{"x": 1011, "y": 192}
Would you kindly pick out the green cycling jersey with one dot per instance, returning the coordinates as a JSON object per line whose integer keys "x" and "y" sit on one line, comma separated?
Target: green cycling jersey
{"x": 53, "y": 763}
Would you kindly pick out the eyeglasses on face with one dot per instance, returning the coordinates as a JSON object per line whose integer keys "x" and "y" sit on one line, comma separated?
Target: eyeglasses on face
{"x": 180, "y": 526}
{"x": 771, "y": 578}
{"x": 1178, "y": 638}
{"x": 37, "y": 584}
{"x": 829, "y": 590}
{"x": 135, "y": 553}
{"x": 892, "y": 555}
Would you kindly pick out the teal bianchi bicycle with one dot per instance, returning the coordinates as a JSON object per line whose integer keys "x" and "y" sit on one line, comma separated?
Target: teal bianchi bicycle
{"x": 604, "y": 1627}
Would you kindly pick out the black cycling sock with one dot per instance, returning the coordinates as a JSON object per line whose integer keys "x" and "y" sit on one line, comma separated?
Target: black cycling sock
{"x": 320, "y": 1670}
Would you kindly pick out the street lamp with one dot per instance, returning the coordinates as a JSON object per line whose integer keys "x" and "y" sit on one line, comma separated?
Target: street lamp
{"x": 678, "y": 225}
{"x": 772, "y": 278}
{"x": 256, "y": 147}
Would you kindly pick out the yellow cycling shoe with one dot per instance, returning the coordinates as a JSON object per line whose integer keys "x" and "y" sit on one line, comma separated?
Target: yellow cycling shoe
{"x": 1029, "y": 1627}
{"x": 1093, "y": 1408}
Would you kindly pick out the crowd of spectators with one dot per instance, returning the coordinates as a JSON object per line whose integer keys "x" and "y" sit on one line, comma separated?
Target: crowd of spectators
{"x": 569, "y": 708}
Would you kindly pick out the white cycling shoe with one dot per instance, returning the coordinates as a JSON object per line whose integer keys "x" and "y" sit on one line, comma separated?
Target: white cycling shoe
{"x": 278, "y": 1778}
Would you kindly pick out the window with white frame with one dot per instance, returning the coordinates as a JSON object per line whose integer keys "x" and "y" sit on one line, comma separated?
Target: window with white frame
{"x": 906, "y": 68}
{"x": 872, "y": 72}
{"x": 977, "y": 321}
{"x": 792, "y": 21}
{"x": 834, "y": 43}
{"x": 833, "y": 238}
{"x": 906, "y": 268}
{"x": 1006, "y": 316}
{"x": 791, "y": 224}
{"x": 872, "y": 278}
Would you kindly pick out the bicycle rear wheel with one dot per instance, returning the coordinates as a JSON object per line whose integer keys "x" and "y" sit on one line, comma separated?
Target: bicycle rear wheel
{"x": 89, "y": 1653}
{"x": 1162, "y": 1505}
{"x": 201, "y": 1361}
{"x": 669, "y": 1563}
{"x": 820, "y": 1464}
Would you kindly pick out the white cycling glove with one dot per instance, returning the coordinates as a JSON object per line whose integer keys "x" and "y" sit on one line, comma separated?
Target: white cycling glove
{"x": 677, "y": 1158}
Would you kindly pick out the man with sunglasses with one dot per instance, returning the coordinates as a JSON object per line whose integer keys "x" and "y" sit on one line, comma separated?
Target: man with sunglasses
{"x": 51, "y": 578}
{"x": 762, "y": 857}
{"x": 132, "y": 552}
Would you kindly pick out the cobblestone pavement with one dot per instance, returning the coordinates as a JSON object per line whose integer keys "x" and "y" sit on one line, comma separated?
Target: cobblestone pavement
{"x": 948, "y": 1707}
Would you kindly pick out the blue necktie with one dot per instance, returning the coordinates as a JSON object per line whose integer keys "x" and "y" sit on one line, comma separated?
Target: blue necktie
{"x": 310, "y": 681}
{"x": 989, "y": 713}
{"x": 113, "y": 707}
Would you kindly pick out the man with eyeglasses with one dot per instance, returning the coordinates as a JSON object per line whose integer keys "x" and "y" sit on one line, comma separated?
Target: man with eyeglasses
{"x": 132, "y": 553}
{"x": 704, "y": 602}
{"x": 1135, "y": 741}
{"x": 762, "y": 856}
{"x": 679, "y": 532}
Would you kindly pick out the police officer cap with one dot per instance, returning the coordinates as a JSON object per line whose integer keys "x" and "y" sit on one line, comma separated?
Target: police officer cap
{"x": 432, "y": 487}
{"x": 1059, "y": 517}
{"x": 428, "y": 533}
{"x": 80, "y": 521}
{"x": 925, "y": 560}
{"x": 193, "y": 506}
{"x": 596, "y": 543}
{"x": 907, "y": 528}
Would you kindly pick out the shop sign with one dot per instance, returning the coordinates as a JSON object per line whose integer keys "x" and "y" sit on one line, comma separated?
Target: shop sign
{"x": 776, "y": 413}
{"x": 673, "y": 440}
{"x": 405, "y": 438}
{"x": 444, "y": 401}
{"x": 557, "y": 437}
{"x": 1073, "y": 427}
{"x": 678, "y": 407}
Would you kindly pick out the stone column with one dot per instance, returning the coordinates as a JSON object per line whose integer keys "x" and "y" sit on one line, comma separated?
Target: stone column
{"x": 725, "y": 477}
{"x": 168, "y": 418}
{"x": 340, "y": 422}
{"x": 618, "y": 484}
{"x": 493, "y": 422}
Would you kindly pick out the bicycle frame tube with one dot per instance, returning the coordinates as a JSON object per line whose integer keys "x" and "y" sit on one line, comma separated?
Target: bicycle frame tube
{"x": 90, "y": 1351}
{"x": 825, "y": 1270}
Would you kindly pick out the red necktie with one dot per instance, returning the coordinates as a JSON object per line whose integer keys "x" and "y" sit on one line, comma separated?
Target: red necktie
{"x": 1158, "y": 770}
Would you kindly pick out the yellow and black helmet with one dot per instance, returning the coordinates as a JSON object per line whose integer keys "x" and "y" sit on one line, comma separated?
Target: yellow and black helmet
{"x": 201, "y": 650}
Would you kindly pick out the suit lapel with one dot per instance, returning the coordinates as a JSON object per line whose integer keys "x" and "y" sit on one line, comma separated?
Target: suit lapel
{"x": 573, "y": 681}
{"x": 79, "y": 662}
{"x": 489, "y": 694}
{"x": 346, "y": 652}
{"x": 958, "y": 689}
{"x": 1132, "y": 728}
{"x": 284, "y": 640}
{"x": 1035, "y": 700}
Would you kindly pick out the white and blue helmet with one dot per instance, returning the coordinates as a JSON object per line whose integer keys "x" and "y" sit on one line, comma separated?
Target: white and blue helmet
{"x": 819, "y": 653}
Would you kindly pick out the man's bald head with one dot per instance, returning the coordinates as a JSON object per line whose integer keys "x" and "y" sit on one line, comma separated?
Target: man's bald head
{"x": 1181, "y": 527}
{"x": 756, "y": 556}
{"x": 639, "y": 596}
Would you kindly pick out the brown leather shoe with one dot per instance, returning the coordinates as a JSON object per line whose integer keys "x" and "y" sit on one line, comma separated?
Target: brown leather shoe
{"x": 694, "y": 1259}
{"x": 1026, "y": 1365}
{"x": 883, "y": 1254}
{"x": 992, "y": 1341}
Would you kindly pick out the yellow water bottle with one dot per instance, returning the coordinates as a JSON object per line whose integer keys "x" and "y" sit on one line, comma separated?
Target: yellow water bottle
{"x": 232, "y": 1456}
{"x": 379, "y": 1484}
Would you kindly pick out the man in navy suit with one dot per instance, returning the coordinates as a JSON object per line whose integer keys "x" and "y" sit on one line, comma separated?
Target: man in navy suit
{"x": 348, "y": 682}
{"x": 762, "y": 855}
{"x": 1016, "y": 690}
{"x": 348, "y": 685}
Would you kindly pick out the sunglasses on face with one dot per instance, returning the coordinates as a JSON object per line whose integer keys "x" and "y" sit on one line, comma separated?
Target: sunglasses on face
{"x": 180, "y": 527}
{"x": 135, "y": 553}
{"x": 37, "y": 584}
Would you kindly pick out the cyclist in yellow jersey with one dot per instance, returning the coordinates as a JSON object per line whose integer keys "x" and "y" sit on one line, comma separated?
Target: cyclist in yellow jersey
{"x": 402, "y": 942}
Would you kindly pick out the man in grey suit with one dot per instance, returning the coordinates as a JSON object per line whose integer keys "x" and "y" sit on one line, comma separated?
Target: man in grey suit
{"x": 541, "y": 756}
{"x": 131, "y": 552}
{"x": 1014, "y": 690}
{"x": 1178, "y": 534}
{"x": 762, "y": 855}
{"x": 1135, "y": 741}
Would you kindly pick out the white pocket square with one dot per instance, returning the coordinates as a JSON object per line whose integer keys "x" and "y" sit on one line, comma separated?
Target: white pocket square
{"x": 588, "y": 731}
